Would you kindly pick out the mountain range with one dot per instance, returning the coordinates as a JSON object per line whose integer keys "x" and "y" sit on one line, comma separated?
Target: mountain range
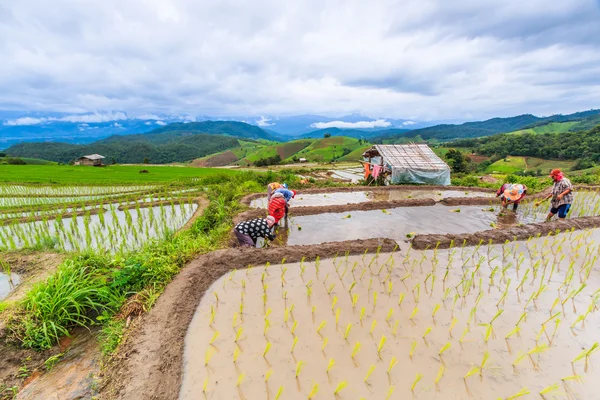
{"x": 179, "y": 141}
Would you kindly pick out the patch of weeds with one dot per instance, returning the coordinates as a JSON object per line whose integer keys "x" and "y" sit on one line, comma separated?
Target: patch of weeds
{"x": 52, "y": 361}
{"x": 111, "y": 335}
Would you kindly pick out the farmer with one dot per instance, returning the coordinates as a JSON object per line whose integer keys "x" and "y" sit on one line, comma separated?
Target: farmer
{"x": 287, "y": 195}
{"x": 562, "y": 195}
{"x": 277, "y": 207}
{"x": 248, "y": 231}
{"x": 511, "y": 193}
{"x": 273, "y": 186}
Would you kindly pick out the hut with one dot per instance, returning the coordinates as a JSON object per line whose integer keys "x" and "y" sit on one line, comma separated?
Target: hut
{"x": 92, "y": 160}
{"x": 406, "y": 163}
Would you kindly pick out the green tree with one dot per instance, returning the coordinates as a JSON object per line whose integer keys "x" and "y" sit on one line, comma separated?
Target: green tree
{"x": 327, "y": 135}
{"x": 146, "y": 160}
{"x": 458, "y": 161}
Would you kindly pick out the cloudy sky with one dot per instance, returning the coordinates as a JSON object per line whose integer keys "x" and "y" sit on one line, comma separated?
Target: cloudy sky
{"x": 411, "y": 59}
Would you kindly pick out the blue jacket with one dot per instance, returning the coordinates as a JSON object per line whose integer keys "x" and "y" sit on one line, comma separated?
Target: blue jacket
{"x": 287, "y": 194}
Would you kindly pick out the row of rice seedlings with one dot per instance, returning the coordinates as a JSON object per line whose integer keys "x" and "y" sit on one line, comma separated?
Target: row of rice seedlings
{"x": 115, "y": 230}
{"x": 487, "y": 272}
{"x": 11, "y": 190}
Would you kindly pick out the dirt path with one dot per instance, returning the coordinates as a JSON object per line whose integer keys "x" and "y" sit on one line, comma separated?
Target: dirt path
{"x": 149, "y": 363}
{"x": 202, "y": 204}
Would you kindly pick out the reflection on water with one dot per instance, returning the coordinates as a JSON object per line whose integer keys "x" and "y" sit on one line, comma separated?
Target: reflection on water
{"x": 395, "y": 223}
{"x": 336, "y": 198}
{"x": 319, "y": 199}
{"x": 437, "y": 195}
{"x": 7, "y": 284}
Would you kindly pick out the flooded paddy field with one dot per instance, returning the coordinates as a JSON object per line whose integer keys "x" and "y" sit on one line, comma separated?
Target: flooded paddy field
{"x": 345, "y": 197}
{"x": 517, "y": 320}
{"x": 111, "y": 230}
{"x": 8, "y": 281}
{"x": 394, "y": 223}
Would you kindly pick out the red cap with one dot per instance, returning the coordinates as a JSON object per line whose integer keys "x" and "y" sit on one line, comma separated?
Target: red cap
{"x": 293, "y": 191}
{"x": 555, "y": 172}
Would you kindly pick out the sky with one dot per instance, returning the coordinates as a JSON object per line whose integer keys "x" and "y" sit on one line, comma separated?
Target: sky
{"x": 410, "y": 59}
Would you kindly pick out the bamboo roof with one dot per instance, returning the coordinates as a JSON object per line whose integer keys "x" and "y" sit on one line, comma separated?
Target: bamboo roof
{"x": 407, "y": 156}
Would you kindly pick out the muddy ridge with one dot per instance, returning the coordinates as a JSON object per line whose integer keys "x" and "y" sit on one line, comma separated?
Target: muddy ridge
{"x": 148, "y": 204}
{"x": 44, "y": 217}
{"x": 247, "y": 199}
{"x": 149, "y": 363}
{"x": 523, "y": 232}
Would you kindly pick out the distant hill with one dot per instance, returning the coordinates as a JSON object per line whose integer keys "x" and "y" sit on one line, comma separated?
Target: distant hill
{"x": 574, "y": 145}
{"x": 156, "y": 149}
{"x": 337, "y": 148}
{"x": 354, "y": 133}
{"x": 230, "y": 128}
{"x": 489, "y": 127}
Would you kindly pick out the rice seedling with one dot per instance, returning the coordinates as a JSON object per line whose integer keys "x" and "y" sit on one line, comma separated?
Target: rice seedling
{"x": 313, "y": 391}
{"x": 416, "y": 381}
{"x": 380, "y": 345}
{"x": 341, "y": 386}
{"x": 521, "y": 393}
{"x": 369, "y": 373}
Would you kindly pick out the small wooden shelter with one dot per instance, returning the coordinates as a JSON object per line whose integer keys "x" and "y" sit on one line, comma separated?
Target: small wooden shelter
{"x": 91, "y": 160}
{"x": 408, "y": 163}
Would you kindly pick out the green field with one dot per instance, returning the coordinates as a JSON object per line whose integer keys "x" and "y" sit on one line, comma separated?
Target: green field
{"x": 509, "y": 165}
{"x": 82, "y": 175}
{"x": 554, "y": 127}
{"x": 515, "y": 164}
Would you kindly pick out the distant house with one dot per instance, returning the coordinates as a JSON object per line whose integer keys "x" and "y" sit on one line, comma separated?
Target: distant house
{"x": 91, "y": 160}
{"x": 408, "y": 163}
{"x": 302, "y": 160}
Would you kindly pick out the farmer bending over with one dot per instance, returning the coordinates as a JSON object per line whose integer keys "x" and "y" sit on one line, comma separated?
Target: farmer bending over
{"x": 248, "y": 231}
{"x": 562, "y": 195}
{"x": 511, "y": 193}
{"x": 287, "y": 195}
{"x": 277, "y": 207}
{"x": 273, "y": 186}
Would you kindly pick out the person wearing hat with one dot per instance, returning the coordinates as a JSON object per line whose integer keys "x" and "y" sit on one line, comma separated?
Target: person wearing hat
{"x": 248, "y": 232}
{"x": 561, "y": 195}
{"x": 511, "y": 193}
{"x": 273, "y": 186}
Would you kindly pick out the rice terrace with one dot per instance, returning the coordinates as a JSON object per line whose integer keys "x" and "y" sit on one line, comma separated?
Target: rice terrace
{"x": 109, "y": 291}
{"x": 337, "y": 200}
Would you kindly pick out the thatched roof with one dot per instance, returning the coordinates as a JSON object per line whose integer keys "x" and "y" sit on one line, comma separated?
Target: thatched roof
{"x": 407, "y": 156}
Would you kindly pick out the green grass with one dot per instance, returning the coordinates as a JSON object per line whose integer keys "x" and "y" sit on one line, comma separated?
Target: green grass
{"x": 83, "y": 175}
{"x": 509, "y": 165}
{"x": 547, "y": 165}
{"x": 554, "y": 127}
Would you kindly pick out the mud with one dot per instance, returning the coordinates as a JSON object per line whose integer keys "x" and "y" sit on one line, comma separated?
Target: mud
{"x": 73, "y": 378}
{"x": 11, "y": 360}
{"x": 149, "y": 364}
{"x": 522, "y": 232}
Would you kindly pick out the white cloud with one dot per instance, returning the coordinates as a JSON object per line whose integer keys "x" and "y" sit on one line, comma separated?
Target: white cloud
{"x": 117, "y": 125}
{"x": 148, "y": 116}
{"x": 408, "y": 123}
{"x": 380, "y": 123}
{"x": 95, "y": 117}
{"x": 148, "y": 123}
{"x": 25, "y": 121}
{"x": 412, "y": 59}
{"x": 264, "y": 122}
{"x": 161, "y": 123}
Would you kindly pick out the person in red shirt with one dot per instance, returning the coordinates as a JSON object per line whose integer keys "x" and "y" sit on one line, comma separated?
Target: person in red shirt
{"x": 277, "y": 207}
